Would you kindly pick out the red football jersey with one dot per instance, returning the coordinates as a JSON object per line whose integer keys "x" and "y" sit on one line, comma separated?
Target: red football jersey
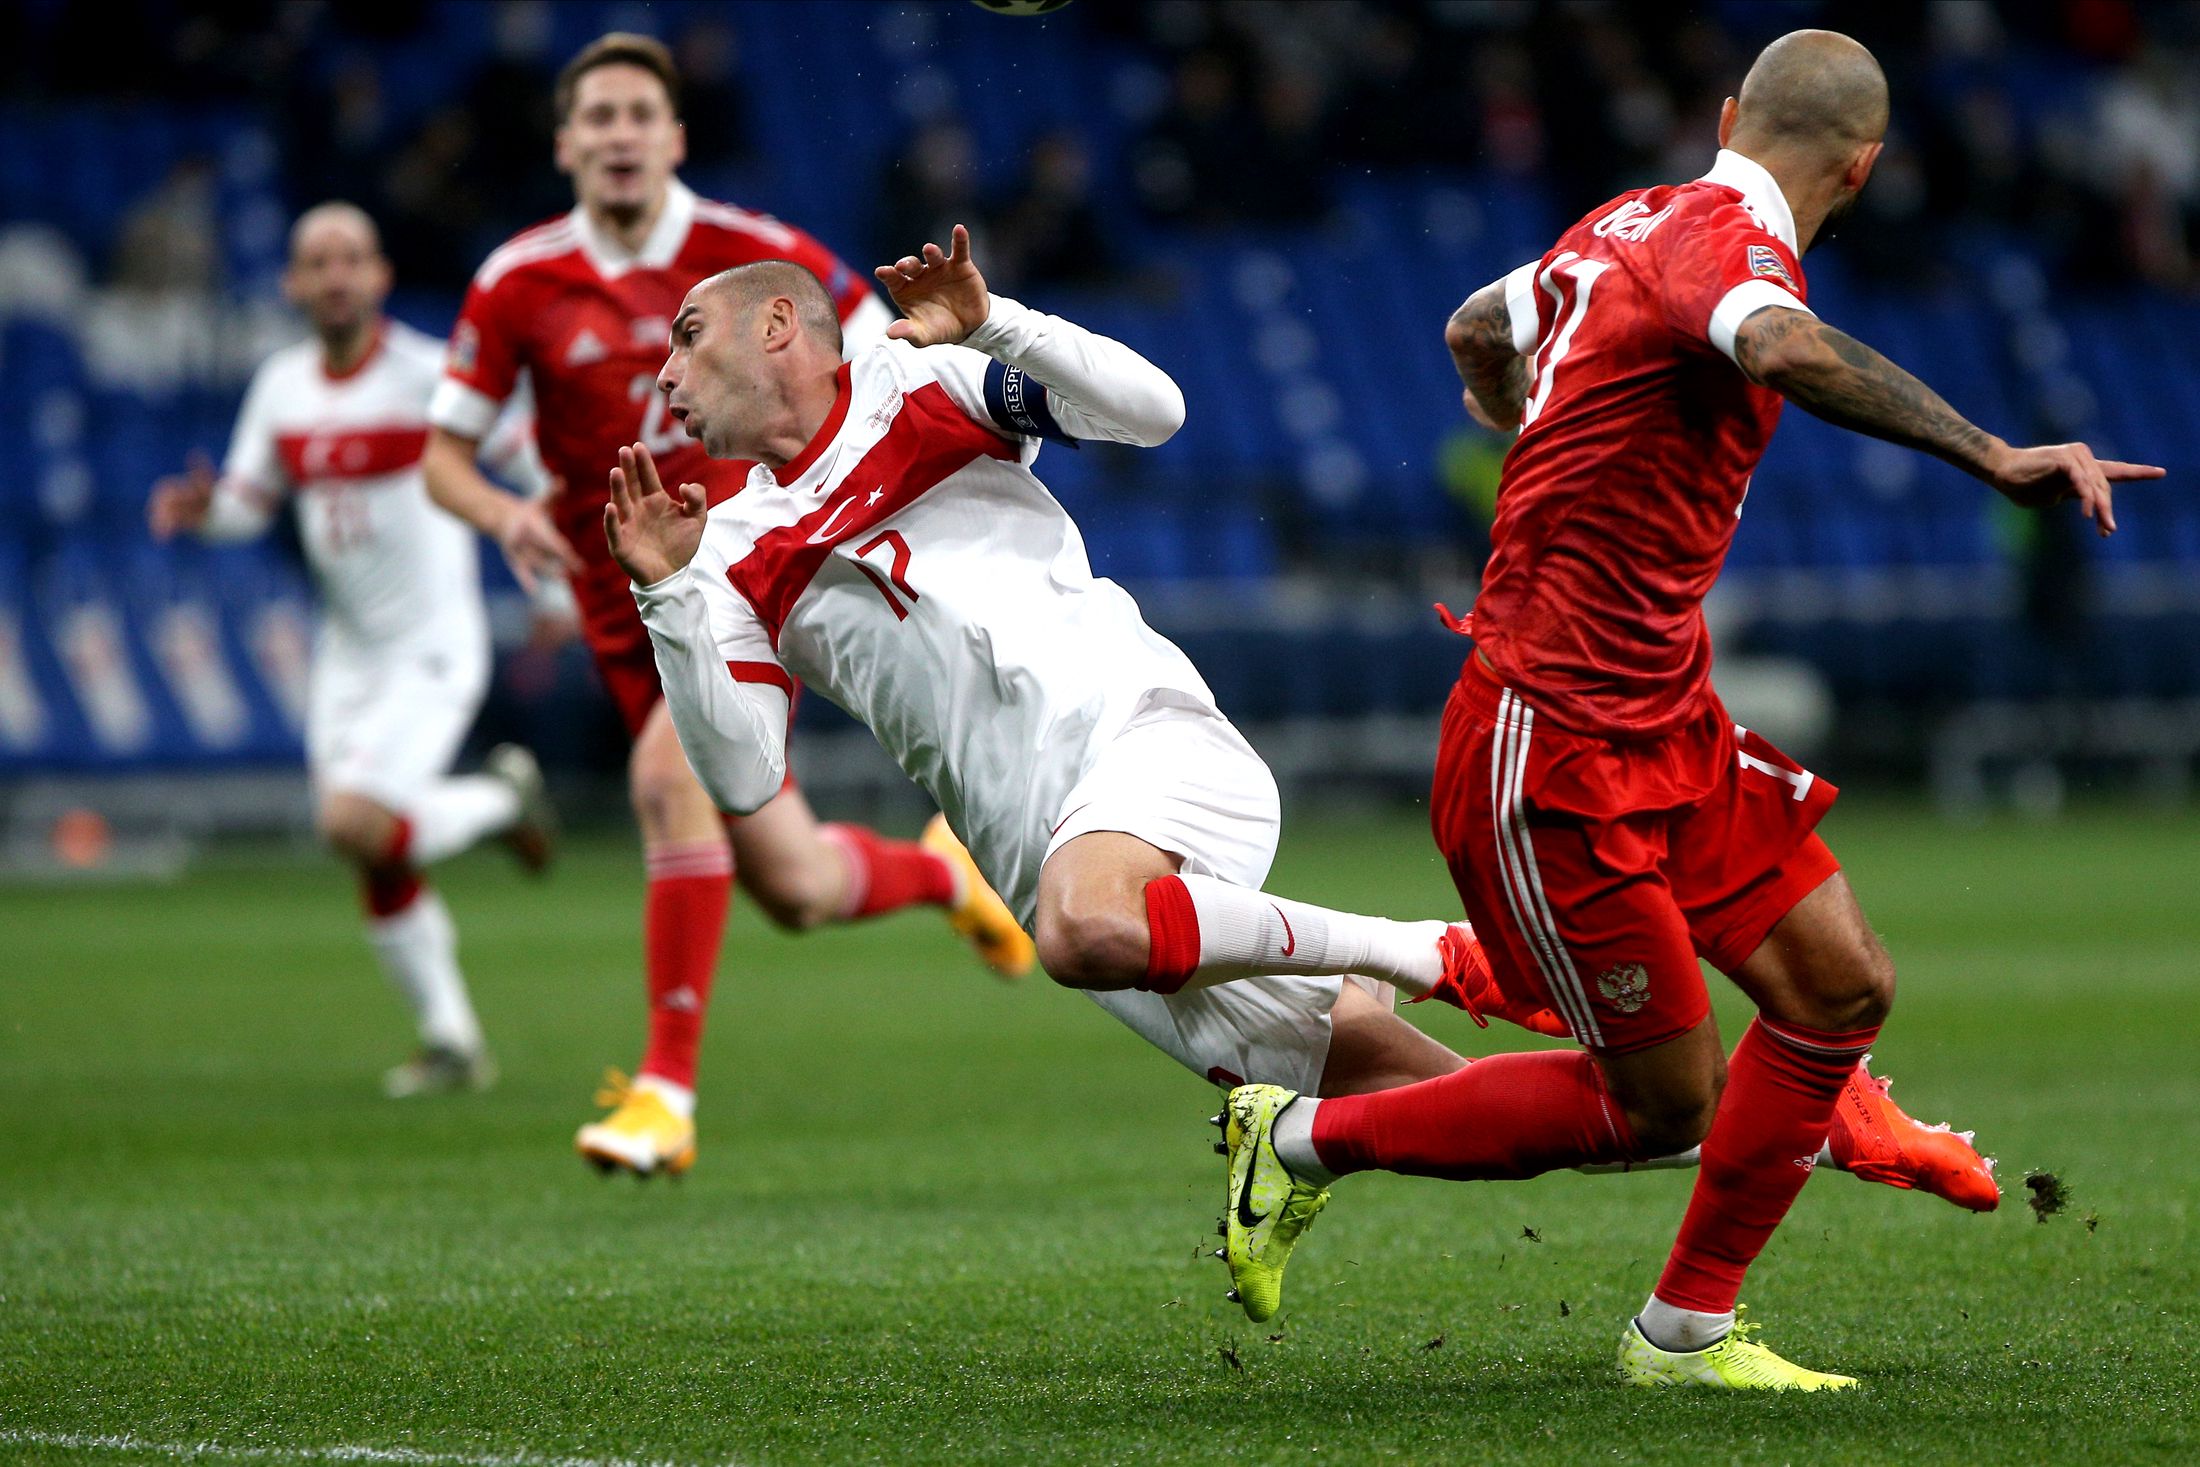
{"x": 1618, "y": 501}
{"x": 591, "y": 325}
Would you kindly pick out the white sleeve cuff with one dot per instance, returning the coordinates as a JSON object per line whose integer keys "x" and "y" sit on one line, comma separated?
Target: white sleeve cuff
{"x": 1742, "y": 302}
{"x": 662, "y": 593}
{"x": 466, "y": 411}
{"x": 1008, "y": 327}
{"x": 1520, "y": 306}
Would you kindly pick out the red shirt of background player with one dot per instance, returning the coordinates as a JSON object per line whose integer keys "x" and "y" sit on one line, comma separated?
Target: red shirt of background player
{"x": 1639, "y": 435}
{"x": 590, "y": 324}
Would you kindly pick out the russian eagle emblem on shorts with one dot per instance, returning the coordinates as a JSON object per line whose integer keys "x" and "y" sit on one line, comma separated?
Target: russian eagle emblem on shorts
{"x": 1626, "y": 985}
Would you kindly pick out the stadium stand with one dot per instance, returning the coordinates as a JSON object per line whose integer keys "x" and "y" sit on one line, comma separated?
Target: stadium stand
{"x": 1292, "y": 535}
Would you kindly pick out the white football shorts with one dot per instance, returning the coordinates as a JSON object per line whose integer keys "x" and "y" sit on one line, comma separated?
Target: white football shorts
{"x": 385, "y": 722}
{"x": 1184, "y": 779}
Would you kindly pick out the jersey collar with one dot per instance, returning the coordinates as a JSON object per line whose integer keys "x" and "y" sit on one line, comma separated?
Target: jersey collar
{"x": 1760, "y": 193}
{"x": 613, "y": 259}
{"x": 794, "y": 468}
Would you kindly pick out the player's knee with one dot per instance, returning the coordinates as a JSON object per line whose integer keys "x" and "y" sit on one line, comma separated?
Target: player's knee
{"x": 1858, "y": 994}
{"x": 661, "y": 797}
{"x": 1091, "y": 946}
{"x": 355, "y": 828}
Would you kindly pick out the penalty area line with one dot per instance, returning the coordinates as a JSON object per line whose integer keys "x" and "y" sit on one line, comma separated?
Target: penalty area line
{"x": 221, "y": 1451}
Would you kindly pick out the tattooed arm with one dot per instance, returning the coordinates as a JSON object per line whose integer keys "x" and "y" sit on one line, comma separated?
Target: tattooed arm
{"x": 1834, "y": 376}
{"x": 1480, "y": 336}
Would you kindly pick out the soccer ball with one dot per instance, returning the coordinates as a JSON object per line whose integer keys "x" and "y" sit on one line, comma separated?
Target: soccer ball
{"x": 1020, "y": 7}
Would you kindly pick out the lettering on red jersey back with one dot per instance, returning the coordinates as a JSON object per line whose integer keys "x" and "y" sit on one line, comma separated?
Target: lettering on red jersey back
{"x": 1639, "y": 435}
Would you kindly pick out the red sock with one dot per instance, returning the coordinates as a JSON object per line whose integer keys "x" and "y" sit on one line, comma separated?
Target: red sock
{"x": 1780, "y": 1089}
{"x": 1172, "y": 935}
{"x": 887, "y": 875}
{"x": 389, "y": 888}
{"x": 1501, "y": 1118}
{"x": 683, "y": 918}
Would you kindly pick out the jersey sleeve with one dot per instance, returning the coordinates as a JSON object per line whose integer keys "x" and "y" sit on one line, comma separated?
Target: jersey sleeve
{"x": 1717, "y": 275}
{"x": 1033, "y": 376}
{"x": 253, "y": 480}
{"x": 482, "y": 365}
{"x": 1520, "y": 307}
{"x": 725, "y": 687}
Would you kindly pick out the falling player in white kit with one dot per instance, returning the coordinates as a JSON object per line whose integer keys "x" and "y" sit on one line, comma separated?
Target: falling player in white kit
{"x": 401, "y": 661}
{"x": 894, "y": 550}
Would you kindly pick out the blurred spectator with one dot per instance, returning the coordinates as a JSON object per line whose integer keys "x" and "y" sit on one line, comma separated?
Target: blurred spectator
{"x": 1048, "y": 231}
{"x": 709, "y": 55}
{"x": 927, "y": 190}
{"x": 169, "y": 240}
{"x": 1186, "y": 164}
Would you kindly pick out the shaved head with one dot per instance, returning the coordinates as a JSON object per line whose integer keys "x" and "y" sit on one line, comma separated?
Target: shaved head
{"x": 335, "y": 219}
{"x": 747, "y": 286}
{"x": 1811, "y": 94}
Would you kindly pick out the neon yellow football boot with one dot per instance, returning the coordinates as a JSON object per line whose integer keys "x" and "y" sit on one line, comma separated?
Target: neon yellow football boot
{"x": 1266, "y": 1209}
{"x": 982, "y": 918}
{"x": 642, "y": 1134}
{"x": 1736, "y": 1363}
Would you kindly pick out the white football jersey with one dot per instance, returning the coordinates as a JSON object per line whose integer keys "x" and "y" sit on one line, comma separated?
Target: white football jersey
{"x": 910, "y": 566}
{"x": 391, "y": 565}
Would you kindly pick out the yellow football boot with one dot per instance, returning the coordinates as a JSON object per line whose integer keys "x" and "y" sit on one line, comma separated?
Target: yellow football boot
{"x": 642, "y": 1135}
{"x": 982, "y": 918}
{"x": 1267, "y": 1210}
{"x": 1736, "y": 1363}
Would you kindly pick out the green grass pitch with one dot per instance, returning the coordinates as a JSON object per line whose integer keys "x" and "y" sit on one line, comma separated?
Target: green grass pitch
{"x": 942, "y": 1220}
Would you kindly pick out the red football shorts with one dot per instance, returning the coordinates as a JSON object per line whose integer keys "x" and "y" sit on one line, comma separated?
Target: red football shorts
{"x": 612, "y": 626}
{"x": 1596, "y": 872}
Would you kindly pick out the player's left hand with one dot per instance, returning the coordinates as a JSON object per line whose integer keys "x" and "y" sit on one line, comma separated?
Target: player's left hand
{"x": 653, "y": 533}
{"x": 2038, "y": 477}
{"x": 942, "y": 296}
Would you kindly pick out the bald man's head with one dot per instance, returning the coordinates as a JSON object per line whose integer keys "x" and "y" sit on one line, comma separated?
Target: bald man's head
{"x": 331, "y": 221}
{"x": 749, "y": 347}
{"x": 1811, "y": 94}
{"x": 745, "y": 287}
{"x": 337, "y": 275}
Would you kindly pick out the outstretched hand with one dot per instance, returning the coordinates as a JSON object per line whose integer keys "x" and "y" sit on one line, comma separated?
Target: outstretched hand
{"x": 653, "y": 533}
{"x": 2038, "y": 477}
{"x": 942, "y": 296}
{"x": 180, "y": 501}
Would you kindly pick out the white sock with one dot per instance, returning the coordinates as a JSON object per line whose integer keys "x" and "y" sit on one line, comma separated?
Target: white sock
{"x": 418, "y": 948}
{"x": 1293, "y": 1137}
{"x": 1245, "y": 933}
{"x": 454, "y": 813}
{"x": 678, "y": 1098}
{"x": 1682, "y": 1331}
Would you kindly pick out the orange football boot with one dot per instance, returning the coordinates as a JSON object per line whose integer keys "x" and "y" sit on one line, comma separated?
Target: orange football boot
{"x": 1875, "y": 1139}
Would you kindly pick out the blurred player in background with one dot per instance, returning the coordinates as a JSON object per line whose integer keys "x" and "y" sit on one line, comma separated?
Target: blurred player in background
{"x": 1606, "y": 822}
{"x": 402, "y": 658}
{"x": 582, "y": 306}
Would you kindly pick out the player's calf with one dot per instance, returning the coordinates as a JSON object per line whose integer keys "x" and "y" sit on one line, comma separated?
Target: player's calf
{"x": 1669, "y": 1092}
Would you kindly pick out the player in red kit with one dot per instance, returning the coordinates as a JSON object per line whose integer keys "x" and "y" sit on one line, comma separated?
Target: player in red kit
{"x": 1605, "y": 820}
{"x": 583, "y": 306}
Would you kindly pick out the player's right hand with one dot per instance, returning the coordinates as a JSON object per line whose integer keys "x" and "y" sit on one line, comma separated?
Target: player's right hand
{"x": 531, "y": 544}
{"x": 180, "y": 501}
{"x": 2038, "y": 477}
{"x": 653, "y": 534}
